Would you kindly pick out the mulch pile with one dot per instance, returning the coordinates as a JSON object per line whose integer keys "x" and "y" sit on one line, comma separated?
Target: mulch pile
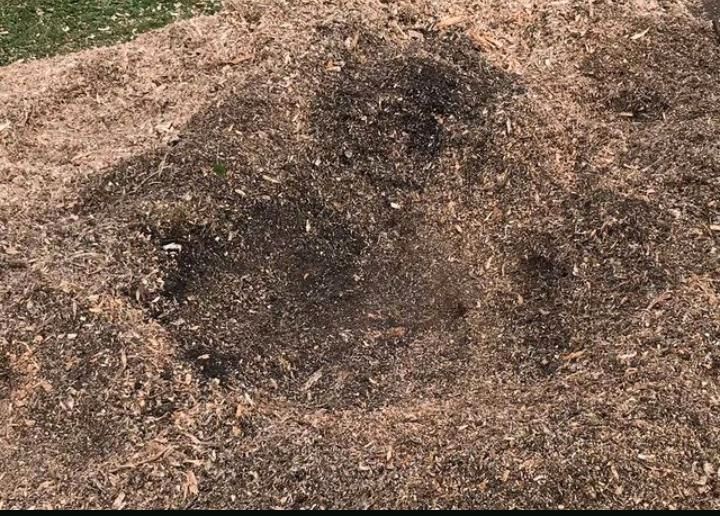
{"x": 407, "y": 255}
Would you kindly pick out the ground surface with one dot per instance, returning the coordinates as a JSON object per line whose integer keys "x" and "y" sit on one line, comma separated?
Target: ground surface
{"x": 366, "y": 254}
{"x": 38, "y": 28}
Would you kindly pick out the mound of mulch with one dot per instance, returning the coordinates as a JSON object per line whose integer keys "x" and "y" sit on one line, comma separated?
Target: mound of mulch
{"x": 404, "y": 255}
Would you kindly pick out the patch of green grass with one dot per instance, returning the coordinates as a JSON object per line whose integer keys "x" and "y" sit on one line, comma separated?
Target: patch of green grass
{"x": 220, "y": 169}
{"x": 39, "y": 28}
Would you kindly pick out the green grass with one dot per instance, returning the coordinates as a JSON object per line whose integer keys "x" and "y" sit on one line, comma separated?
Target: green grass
{"x": 39, "y": 28}
{"x": 220, "y": 169}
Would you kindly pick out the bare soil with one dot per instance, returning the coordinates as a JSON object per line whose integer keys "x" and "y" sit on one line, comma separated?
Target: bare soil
{"x": 407, "y": 255}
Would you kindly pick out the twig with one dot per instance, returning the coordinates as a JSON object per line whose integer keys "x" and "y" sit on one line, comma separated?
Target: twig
{"x": 159, "y": 170}
{"x": 133, "y": 465}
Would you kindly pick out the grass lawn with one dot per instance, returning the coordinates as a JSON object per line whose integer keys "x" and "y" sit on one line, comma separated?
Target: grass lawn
{"x": 38, "y": 28}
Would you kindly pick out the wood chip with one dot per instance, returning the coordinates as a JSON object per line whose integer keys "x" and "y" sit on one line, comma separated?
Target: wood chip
{"x": 314, "y": 378}
{"x": 449, "y": 22}
{"x": 119, "y": 501}
{"x": 640, "y": 34}
{"x": 191, "y": 484}
{"x": 483, "y": 40}
{"x": 573, "y": 356}
{"x": 271, "y": 179}
{"x": 661, "y": 298}
{"x": 152, "y": 458}
{"x": 397, "y": 332}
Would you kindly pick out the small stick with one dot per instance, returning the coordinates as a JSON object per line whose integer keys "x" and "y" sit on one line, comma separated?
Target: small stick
{"x": 159, "y": 170}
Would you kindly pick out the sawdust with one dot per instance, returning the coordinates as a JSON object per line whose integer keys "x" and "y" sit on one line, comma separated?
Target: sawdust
{"x": 385, "y": 255}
